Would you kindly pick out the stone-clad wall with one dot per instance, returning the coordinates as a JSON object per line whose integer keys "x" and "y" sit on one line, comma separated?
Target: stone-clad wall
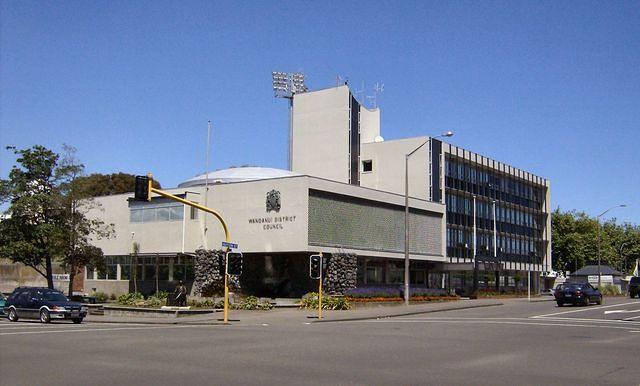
{"x": 341, "y": 273}
{"x": 208, "y": 271}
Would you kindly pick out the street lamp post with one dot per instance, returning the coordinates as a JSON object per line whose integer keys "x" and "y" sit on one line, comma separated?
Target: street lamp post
{"x": 406, "y": 212}
{"x": 598, "y": 230}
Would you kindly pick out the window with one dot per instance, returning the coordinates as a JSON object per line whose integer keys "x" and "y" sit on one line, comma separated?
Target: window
{"x": 193, "y": 215}
{"x": 367, "y": 166}
{"x": 157, "y": 212}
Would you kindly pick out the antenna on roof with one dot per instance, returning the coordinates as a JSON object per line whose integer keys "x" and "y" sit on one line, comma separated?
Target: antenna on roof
{"x": 378, "y": 88}
{"x": 360, "y": 92}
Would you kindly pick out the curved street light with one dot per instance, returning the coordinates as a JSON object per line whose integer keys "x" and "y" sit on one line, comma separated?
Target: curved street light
{"x": 406, "y": 211}
{"x": 598, "y": 229}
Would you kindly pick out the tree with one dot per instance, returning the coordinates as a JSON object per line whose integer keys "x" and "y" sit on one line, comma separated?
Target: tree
{"x": 96, "y": 184}
{"x": 46, "y": 218}
{"x": 574, "y": 241}
{"x": 74, "y": 236}
{"x": 28, "y": 231}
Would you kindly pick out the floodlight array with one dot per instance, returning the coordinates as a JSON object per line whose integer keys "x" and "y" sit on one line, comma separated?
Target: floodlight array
{"x": 287, "y": 84}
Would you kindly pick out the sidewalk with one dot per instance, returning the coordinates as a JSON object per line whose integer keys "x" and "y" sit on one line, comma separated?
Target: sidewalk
{"x": 289, "y": 315}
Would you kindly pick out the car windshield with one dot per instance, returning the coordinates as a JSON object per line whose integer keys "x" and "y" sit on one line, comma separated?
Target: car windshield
{"x": 573, "y": 286}
{"x": 54, "y": 297}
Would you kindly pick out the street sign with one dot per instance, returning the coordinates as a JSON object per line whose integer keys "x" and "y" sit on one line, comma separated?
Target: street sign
{"x": 229, "y": 245}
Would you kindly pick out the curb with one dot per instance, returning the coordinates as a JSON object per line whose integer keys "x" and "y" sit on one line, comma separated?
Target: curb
{"x": 172, "y": 323}
{"x": 407, "y": 313}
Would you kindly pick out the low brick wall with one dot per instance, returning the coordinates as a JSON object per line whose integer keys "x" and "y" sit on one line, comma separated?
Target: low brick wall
{"x": 151, "y": 312}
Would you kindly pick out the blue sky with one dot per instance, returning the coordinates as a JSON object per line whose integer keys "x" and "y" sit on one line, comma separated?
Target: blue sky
{"x": 547, "y": 86}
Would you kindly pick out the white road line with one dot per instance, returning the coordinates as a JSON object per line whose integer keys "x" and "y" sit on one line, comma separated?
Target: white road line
{"x": 601, "y": 321}
{"x": 97, "y": 330}
{"x": 583, "y": 310}
{"x": 69, "y": 326}
{"x": 634, "y": 317}
{"x": 531, "y": 323}
{"x": 605, "y": 321}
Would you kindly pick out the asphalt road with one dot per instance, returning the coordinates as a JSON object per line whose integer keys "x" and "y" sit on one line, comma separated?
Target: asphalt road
{"x": 519, "y": 343}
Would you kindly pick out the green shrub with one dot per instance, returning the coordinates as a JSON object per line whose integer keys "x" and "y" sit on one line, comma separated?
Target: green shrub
{"x": 100, "y": 296}
{"x": 130, "y": 299}
{"x": 310, "y": 301}
{"x": 206, "y": 303}
{"x": 113, "y": 297}
{"x": 252, "y": 303}
{"x": 162, "y": 295}
{"x": 155, "y": 301}
{"x": 610, "y": 290}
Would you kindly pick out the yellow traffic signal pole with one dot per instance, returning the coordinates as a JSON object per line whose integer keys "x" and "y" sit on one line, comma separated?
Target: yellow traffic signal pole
{"x": 320, "y": 290}
{"x": 208, "y": 210}
{"x": 226, "y": 287}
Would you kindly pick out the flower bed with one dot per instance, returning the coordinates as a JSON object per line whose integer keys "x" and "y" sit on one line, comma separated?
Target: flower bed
{"x": 413, "y": 299}
{"x": 396, "y": 294}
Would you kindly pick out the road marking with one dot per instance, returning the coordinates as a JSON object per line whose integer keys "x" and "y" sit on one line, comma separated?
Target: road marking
{"x": 16, "y": 326}
{"x": 593, "y": 320}
{"x": 557, "y": 319}
{"x": 477, "y": 322}
{"x": 98, "y": 329}
{"x": 583, "y": 310}
{"x": 620, "y": 311}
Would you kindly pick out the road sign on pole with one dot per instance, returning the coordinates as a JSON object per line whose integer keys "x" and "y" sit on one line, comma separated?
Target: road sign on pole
{"x": 229, "y": 245}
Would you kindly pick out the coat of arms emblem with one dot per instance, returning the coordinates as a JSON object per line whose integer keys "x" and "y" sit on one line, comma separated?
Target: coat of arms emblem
{"x": 273, "y": 201}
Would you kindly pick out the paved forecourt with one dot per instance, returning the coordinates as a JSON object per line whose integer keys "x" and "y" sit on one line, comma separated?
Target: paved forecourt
{"x": 517, "y": 343}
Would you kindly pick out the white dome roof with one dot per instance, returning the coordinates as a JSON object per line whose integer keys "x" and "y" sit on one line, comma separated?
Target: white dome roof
{"x": 248, "y": 173}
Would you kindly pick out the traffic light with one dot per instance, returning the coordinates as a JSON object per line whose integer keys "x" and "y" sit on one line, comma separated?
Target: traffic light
{"x": 142, "y": 191}
{"x": 222, "y": 265}
{"x": 234, "y": 263}
{"x": 314, "y": 266}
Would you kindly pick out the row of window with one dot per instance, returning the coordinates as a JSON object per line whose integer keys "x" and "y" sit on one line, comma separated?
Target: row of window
{"x": 484, "y": 210}
{"x": 144, "y": 268}
{"x": 476, "y": 174}
{"x": 460, "y": 242}
{"x": 159, "y": 212}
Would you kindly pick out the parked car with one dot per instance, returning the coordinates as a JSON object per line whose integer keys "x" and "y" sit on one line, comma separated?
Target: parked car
{"x": 548, "y": 292}
{"x": 3, "y": 300}
{"x": 44, "y": 304}
{"x": 577, "y": 293}
{"x": 634, "y": 287}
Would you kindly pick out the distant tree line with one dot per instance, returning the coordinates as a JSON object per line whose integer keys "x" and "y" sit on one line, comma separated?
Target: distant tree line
{"x": 574, "y": 242}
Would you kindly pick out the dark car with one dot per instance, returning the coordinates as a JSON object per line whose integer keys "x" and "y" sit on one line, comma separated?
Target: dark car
{"x": 3, "y": 300}
{"x": 577, "y": 293}
{"x": 44, "y": 304}
{"x": 634, "y": 287}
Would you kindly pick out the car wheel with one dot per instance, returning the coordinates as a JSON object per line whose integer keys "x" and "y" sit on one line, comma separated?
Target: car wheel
{"x": 13, "y": 315}
{"x": 586, "y": 301}
{"x": 600, "y": 300}
{"x": 44, "y": 316}
{"x": 560, "y": 304}
{"x": 77, "y": 320}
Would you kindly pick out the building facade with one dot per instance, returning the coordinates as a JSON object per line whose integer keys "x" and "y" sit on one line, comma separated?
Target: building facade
{"x": 277, "y": 218}
{"x": 470, "y": 216}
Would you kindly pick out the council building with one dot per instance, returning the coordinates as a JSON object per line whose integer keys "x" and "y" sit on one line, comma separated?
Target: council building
{"x": 345, "y": 193}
